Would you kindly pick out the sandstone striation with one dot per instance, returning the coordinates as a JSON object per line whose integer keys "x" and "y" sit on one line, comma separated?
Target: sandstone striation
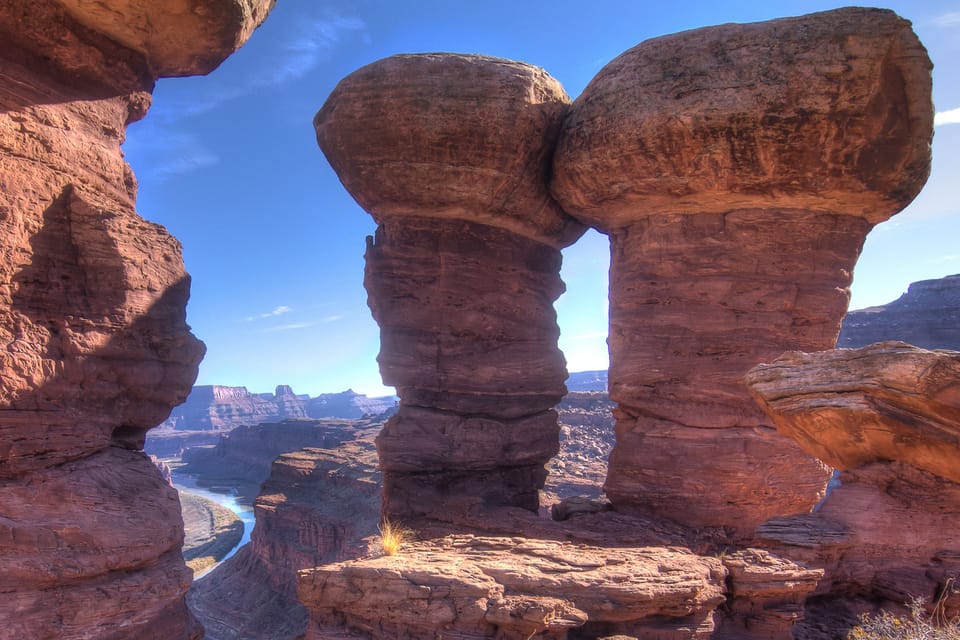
{"x": 927, "y": 315}
{"x": 95, "y": 347}
{"x": 737, "y": 170}
{"x": 450, "y": 154}
{"x": 888, "y": 416}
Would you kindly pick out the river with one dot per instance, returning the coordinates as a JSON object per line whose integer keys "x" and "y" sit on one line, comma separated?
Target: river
{"x": 188, "y": 484}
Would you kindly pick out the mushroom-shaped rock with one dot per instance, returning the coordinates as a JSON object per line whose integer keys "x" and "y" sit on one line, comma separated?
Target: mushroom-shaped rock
{"x": 852, "y": 407}
{"x": 177, "y": 37}
{"x": 737, "y": 170}
{"x": 451, "y": 154}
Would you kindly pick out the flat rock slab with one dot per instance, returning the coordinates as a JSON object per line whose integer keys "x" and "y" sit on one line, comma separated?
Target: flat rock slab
{"x": 515, "y": 587}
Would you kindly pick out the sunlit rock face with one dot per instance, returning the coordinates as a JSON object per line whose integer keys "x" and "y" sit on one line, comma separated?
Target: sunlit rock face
{"x": 450, "y": 155}
{"x": 888, "y": 417}
{"x": 95, "y": 347}
{"x": 737, "y": 170}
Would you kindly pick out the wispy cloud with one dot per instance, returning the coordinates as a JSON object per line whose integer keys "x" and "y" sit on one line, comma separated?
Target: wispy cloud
{"x": 941, "y": 259}
{"x": 951, "y": 19}
{"x": 276, "y": 311}
{"x": 313, "y": 45}
{"x": 169, "y": 155}
{"x": 951, "y": 116}
{"x": 293, "y": 326}
{"x": 288, "y": 327}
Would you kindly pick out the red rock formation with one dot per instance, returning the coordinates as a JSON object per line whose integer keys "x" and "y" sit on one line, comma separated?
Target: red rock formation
{"x": 517, "y": 588}
{"x": 450, "y": 154}
{"x": 737, "y": 170}
{"x": 95, "y": 349}
{"x": 888, "y": 416}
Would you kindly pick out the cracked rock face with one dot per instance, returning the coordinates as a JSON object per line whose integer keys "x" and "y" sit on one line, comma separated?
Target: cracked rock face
{"x": 95, "y": 347}
{"x": 737, "y": 170}
{"x": 450, "y": 155}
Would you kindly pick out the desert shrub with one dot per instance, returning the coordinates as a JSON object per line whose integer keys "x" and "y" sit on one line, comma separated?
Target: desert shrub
{"x": 393, "y": 536}
{"x": 919, "y": 625}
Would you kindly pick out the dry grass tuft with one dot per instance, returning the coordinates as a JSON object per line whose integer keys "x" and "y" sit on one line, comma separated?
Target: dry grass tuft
{"x": 920, "y": 625}
{"x": 394, "y": 536}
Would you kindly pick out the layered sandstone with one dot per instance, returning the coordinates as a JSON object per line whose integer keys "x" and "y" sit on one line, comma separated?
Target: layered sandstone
{"x": 927, "y": 315}
{"x": 887, "y": 416}
{"x": 450, "y": 154}
{"x": 95, "y": 348}
{"x": 737, "y": 170}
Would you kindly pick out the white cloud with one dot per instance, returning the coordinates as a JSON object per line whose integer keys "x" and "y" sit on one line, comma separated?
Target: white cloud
{"x": 288, "y": 327}
{"x": 312, "y": 46}
{"x": 951, "y": 116}
{"x": 941, "y": 259}
{"x": 951, "y": 19}
{"x": 276, "y": 311}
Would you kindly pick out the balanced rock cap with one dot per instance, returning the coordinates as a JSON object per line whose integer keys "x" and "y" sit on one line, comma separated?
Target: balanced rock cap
{"x": 826, "y": 112}
{"x": 177, "y": 37}
{"x": 452, "y": 136}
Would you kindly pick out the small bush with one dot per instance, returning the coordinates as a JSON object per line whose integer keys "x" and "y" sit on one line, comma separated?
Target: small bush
{"x": 920, "y": 625}
{"x": 394, "y": 536}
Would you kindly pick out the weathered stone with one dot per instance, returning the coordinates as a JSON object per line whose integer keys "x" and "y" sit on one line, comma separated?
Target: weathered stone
{"x": 94, "y": 347}
{"x": 889, "y": 416}
{"x": 450, "y": 154}
{"x": 851, "y": 407}
{"x": 737, "y": 170}
{"x": 469, "y": 585}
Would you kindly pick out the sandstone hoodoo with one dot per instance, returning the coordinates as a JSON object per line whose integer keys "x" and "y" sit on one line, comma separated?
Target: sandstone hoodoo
{"x": 95, "y": 347}
{"x": 450, "y": 155}
{"x": 887, "y": 416}
{"x": 737, "y": 170}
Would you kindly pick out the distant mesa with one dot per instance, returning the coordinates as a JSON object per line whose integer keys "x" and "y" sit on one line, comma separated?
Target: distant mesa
{"x": 927, "y": 315}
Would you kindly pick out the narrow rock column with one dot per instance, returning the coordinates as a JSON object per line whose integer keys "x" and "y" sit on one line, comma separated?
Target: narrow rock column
{"x": 94, "y": 345}
{"x": 737, "y": 170}
{"x": 450, "y": 154}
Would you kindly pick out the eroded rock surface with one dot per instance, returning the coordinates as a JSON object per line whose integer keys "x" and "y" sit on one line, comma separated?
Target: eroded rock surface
{"x": 517, "y": 588}
{"x": 737, "y": 170}
{"x": 888, "y": 416}
{"x": 94, "y": 347}
{"x": 450, "y": 155}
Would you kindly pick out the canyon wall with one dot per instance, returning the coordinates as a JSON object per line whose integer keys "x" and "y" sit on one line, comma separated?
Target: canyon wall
{"x": 737, "y": 170}
{"x": 95, "y": 347}
{"x": 927, "y": 315}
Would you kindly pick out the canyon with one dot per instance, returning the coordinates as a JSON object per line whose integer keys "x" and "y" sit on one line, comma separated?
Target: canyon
{"x": 735, "y": 170}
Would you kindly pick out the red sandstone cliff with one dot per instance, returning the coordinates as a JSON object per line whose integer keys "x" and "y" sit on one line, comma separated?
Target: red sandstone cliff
{"x": 95, "y": 348}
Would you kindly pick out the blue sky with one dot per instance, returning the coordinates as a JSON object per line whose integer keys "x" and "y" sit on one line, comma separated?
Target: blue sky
{"x": 229, "y": 164}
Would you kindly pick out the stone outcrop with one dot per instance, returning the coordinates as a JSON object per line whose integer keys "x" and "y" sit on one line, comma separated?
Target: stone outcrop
{"x": 586, "y": 438}
{"x": 888, "y": 417}
{"x": 450, "y": 154}
{"x": 737, "y": 170}
{"x": 95, "y": 347}
{"x": 318, "y": 506}
{"x": 927, "y": 315}
{"x": 468, "y": 586}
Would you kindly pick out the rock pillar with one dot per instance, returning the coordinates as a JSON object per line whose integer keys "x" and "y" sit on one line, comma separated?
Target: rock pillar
{"x": 94, "y": 347}
{"x": 737, "y": 170}
{"x": 450, "y": 154}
